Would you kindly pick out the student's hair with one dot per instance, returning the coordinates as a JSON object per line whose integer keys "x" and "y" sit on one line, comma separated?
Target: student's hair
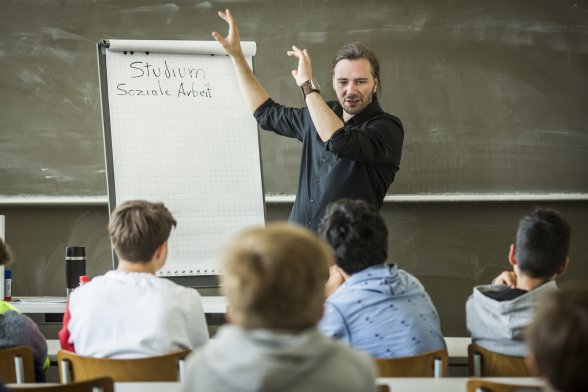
{"x": 357, "y": 234}
{"x": 274, "y": 277}
{"x": 558, "y": 338}
{"x": 6, "y": 257}
{"x": 543, "y": 241}
{"x": 137, "y": 228}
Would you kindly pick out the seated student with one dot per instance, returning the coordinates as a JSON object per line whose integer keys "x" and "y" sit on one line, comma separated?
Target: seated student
{"x": 130, "y": 312}
{"x": 274, "y": 280}
{"x": 19, "y": 330}
{"x": 498, "y": 314}
{"x": 558, "y": 340}
{"x": 374, "y": 306}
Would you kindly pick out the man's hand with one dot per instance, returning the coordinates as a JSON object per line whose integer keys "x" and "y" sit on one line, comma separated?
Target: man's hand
{"x": 304, "y": 71}
{"x": 232, "y": 42}
{"x": 506, "y": 278}
{"x": 336, "y": 279}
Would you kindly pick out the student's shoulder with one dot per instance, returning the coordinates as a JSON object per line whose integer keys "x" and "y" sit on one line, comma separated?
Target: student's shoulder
{"x": 178, "y": 290}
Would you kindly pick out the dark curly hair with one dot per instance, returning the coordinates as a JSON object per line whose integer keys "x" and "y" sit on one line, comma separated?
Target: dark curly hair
{"x": 357, "y": 234}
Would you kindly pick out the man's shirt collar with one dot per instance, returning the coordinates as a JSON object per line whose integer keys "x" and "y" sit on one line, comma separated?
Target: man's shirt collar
{"x": 371, "y": 110}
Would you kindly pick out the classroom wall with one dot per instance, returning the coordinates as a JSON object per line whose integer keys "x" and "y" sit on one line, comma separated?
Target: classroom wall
{"x": 491, "y": 94}
{"x": 450, "y": 247}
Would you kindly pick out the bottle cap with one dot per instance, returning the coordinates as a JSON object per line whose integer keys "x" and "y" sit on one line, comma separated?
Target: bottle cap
{"x": 84, "y": 279}
{"x": 7, "y": 274}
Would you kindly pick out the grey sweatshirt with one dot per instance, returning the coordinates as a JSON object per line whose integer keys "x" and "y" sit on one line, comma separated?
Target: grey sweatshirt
{"x": 264, "y": 360}
{"x": 499, "y": 325}
{"x": 19, "y": 330}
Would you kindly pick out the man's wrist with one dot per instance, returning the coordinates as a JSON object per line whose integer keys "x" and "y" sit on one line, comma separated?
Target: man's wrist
{"x": 310, "y": 86}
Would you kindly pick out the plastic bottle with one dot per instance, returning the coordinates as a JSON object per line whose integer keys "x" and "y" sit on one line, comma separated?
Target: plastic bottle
{"x": 7, "y": 285}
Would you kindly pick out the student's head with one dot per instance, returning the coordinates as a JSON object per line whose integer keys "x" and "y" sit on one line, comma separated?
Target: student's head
{"x": 6, "y": 257}
{"x": 137, "y": 228}
{"x": 357, "y": 234}
{"x": 274, "y": 277}
{"x": 356, "y": 77}
{"x": 542, "y": 244}
{"x": 558, "y": 339}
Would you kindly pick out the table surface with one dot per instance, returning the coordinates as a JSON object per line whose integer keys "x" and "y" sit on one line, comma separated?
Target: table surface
{"x": 397, "y": 384}
{"x": 211, "y": 304}
{"x": 449, "y": 384}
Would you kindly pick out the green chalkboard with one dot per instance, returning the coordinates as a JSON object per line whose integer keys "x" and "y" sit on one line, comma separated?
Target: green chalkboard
{"x": 492, "y": 94}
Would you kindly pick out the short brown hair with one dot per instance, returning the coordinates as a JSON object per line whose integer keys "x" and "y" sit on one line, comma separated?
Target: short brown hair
{"x": 6, "y": 257}
{"x": 274, "y": 277}
{"x": 137, "y": 228}
{"x": 558, "y": 338}
{"x": 356, "y": 51}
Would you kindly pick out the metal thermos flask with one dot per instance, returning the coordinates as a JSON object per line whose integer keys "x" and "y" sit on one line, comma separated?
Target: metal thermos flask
{"x": 75, "y": 266}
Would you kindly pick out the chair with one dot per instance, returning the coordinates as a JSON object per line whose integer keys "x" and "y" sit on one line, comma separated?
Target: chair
{"x": 17, "y": 365}
{"x": 477, "y": 385}
{"x": 486, "y": 363}
{"x": 103, "y": 384}
{"x": 431, "y": 364}
{"x": 383, "y": 388}
{"x": 168, "y": 367}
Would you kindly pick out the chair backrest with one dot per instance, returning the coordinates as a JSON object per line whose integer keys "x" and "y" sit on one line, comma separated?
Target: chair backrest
{"x": 477, "y": 385}
{"x": 431, "y": 364}
{"x": 17, "y": 365}
{"x": 168, "y": 367}
{"x": 485, "y": 363}
{"x": 103, "y": 384}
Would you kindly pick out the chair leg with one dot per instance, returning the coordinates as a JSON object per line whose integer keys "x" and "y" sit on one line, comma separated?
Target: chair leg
{"x": 19, "y": 369}
{"x": 182, "y": 366}
{"x": 477, "y": 359}
{"x": 65, "y": 373}
{"x": 437, "y": 368}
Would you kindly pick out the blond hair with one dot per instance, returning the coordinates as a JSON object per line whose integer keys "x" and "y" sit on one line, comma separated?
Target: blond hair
{"x": 274, "y": 277}
{"x": 137, "y": 228}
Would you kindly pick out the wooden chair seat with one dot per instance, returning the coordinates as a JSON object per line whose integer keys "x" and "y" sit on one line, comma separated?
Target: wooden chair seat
{"x": 477, "y": 385}
{"x": 431, "y": 364}
{"x": 486, "y": 363}
{"x": 74, "y": 367}
{"x": 17, "y": 365}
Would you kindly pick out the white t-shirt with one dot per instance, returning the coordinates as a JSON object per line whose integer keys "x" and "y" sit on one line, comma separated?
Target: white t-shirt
{"x": 131, "y": 315}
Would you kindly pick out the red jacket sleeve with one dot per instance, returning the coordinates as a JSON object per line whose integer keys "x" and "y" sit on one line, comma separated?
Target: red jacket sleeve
{"x": 64, "y": 331}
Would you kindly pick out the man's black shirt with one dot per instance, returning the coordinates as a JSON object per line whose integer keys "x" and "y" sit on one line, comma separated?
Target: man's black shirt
{"x": 358, "y": 162}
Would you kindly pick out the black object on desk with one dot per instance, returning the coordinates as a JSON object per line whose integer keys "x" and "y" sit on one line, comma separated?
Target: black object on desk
{"x": 75, "y": 266}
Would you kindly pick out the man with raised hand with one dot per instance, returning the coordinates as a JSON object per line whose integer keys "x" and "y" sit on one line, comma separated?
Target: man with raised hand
{"x": 351, "y": 148}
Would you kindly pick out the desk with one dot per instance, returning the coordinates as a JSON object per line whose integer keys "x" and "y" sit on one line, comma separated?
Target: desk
{"x": 456, "y": 384}
{"x": 446, "y": 384}
{"x": 457, "y": 349}
{"x": 57, "y": 304}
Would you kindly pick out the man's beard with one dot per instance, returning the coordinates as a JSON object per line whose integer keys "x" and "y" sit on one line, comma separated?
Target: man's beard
{"x": 353, "y": 110}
